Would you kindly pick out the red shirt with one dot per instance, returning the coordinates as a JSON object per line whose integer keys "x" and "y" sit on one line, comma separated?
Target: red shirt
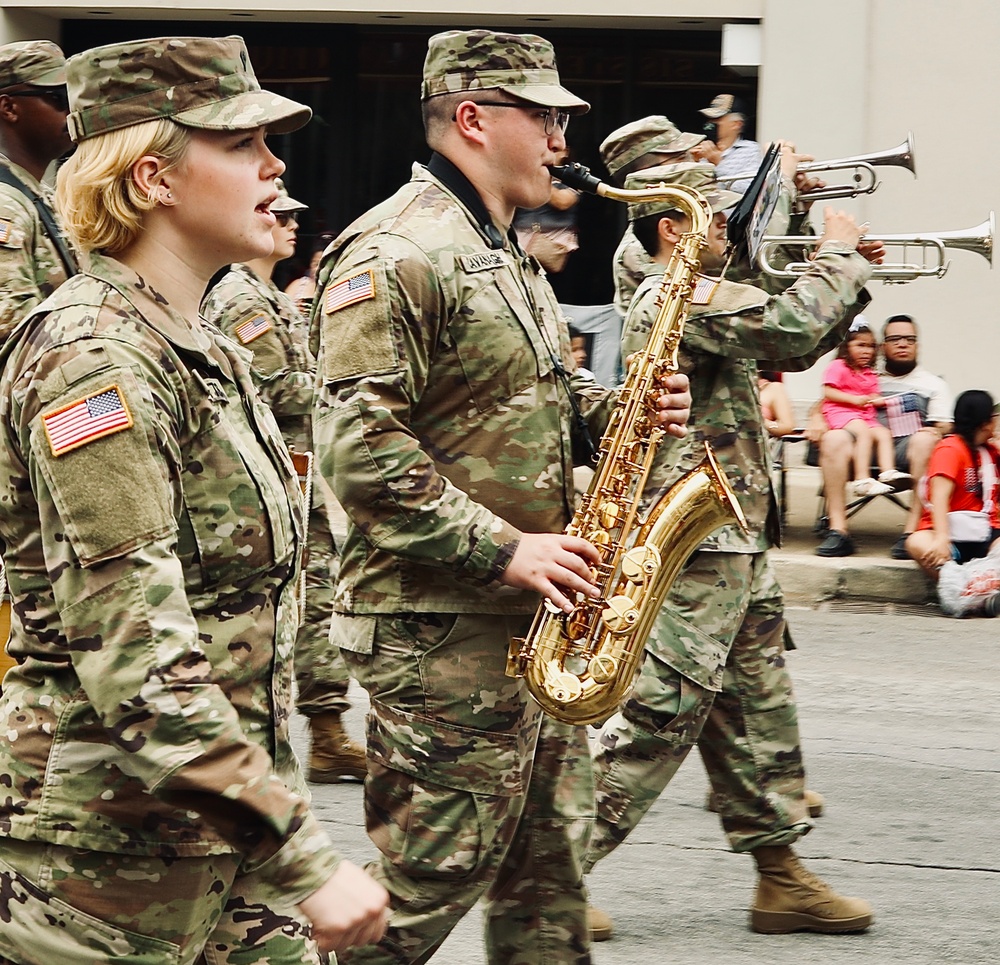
{"x": 951, "y": 458}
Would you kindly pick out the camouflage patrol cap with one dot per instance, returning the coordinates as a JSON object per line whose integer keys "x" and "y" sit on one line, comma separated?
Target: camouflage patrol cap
{"x": 692, "y": 174}
{"x": 520, "y": 64}
{"x": 37, "y": 62}
{"x": 202, "y": 82}
{"x": 649, "y": 135}
{"x": 284, "y": 203}
{"x": 722, "y": 105}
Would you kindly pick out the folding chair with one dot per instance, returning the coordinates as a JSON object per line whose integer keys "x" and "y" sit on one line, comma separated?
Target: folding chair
{"x": 853, "y": 505}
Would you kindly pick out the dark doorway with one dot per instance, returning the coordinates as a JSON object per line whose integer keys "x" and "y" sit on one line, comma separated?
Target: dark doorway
{"x": 363, "y": 83}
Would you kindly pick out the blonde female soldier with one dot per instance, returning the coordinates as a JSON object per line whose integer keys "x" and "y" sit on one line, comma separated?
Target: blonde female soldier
{"x": 151, "y": 809}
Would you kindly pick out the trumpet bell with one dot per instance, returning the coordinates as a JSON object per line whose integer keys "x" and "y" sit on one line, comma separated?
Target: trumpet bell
{"x": 931, "y": 246}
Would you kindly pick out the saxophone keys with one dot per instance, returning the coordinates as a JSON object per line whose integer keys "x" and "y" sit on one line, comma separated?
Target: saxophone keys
{"x": 620, "y": 614}
{"x": 603, "y": 667}
{"x": 641, "y": 563}
{"x": 561, "y": 685}
{"x": 610, "y": 514}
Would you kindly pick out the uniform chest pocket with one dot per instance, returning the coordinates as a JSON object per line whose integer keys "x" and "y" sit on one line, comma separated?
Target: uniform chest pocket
{"x": 496, "y": 356}
{"x": 234, "y": 495}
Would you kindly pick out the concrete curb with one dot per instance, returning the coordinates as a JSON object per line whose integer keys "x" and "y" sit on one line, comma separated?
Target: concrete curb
{"x": 809, "y": 580}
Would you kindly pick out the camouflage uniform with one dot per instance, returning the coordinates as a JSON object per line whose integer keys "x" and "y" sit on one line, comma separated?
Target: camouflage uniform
{"x": 258, "y": 315}
{"x": 714, "y": 672}
{"x": 152, "y": 536}
{"x": 443, "y": 426}
{"x": 30, "y": 265}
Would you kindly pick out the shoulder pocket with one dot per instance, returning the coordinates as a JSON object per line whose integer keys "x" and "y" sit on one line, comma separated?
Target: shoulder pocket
{"x": 94, "y": 448}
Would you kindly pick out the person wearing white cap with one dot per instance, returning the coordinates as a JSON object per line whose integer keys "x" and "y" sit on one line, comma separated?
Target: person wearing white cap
{"x": 731, "y": 153}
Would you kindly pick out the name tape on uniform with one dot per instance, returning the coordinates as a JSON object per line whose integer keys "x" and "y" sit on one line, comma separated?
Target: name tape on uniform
{"x": 92, "y": 417}
{"x": 253, "y": 328}
{"x": 481, "y": 261}
{"x": 357, "y": 288}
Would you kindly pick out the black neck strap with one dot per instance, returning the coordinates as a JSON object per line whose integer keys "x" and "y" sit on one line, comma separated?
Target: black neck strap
{"x": 462, "y": 188}
{"x": 45, "y": 216}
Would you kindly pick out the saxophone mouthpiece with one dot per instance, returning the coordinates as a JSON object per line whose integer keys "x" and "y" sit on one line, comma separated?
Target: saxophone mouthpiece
{"x": 577, "y": 176}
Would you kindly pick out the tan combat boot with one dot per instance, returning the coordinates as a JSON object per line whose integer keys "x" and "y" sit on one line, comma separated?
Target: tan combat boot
{"x": 814, "y": 802}
{"x": 791, "y": 898}
{"x": 333, "y": 754}
{"x": 600, "y": 924}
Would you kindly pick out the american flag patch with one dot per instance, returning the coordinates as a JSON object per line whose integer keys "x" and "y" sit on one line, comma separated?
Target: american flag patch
{"x": 85, "y": 420}
{"x": 704, "y": 290}
{"x": 354, "y": 289}
{"x": 6, "y": 227}
{"x": 253, "y": 328}
{"x": 903, "y": 413}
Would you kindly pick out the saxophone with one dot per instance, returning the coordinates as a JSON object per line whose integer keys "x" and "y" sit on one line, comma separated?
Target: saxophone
{"x": 580, "y": 666}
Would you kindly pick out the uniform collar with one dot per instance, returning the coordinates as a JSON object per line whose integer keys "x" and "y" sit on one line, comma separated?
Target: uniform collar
{"x": 460, "y": 186}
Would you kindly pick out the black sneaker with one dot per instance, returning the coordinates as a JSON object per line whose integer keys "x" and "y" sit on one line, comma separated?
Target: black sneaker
{"x": 836, "y": 544}
{"x": 991, "y": 607}
{"x": 898, "y": 551}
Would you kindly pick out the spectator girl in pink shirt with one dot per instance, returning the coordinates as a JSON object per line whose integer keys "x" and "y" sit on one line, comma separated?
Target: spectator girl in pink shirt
{"x": 851, "y": 395}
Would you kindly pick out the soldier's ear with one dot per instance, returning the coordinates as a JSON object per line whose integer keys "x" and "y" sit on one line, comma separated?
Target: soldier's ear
{"x": 8, "y": 109}
{"x": 147, "y": 174}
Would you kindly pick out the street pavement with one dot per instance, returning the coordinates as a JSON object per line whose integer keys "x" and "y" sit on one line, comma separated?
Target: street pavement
{"x": 900, "y": 713}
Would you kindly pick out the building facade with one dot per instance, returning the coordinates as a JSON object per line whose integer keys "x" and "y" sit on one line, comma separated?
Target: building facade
{"x": 839, "y": 79}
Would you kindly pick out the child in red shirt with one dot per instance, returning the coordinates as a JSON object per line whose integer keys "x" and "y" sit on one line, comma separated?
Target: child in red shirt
{"x": 962, "y": 478}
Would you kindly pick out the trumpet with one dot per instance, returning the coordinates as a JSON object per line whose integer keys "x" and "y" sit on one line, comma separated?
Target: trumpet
{"x": 865, "y": 179}
{"x": 930, "y": 244}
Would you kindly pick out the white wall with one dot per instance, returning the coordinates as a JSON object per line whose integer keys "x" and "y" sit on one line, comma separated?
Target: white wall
{"x": 854, "y": 76}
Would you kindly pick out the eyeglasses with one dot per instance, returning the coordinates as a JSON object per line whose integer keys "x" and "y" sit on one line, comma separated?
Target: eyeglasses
{"x": 555, "y": 119}
{"x": 56, "y": 96}
{"x": 285, "y": 217}
{"x": 904, "y": 339}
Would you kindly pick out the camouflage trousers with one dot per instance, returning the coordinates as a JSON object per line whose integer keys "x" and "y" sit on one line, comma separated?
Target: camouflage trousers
{"x": 747, "y": 731}
{"x": 471, "y": 793}
{"x": 321, "y": 676}
{"x": 73, "y": 907}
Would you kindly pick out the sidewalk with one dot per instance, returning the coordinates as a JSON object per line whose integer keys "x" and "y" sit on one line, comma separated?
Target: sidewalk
{"x": 869, "y": 576}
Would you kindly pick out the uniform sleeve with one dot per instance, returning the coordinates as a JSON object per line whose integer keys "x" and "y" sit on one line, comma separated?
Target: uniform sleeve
{"x": 787, "y": 326}
{"x": 382, "y": 313}
{"x": 122, "y": 597}
{"x": 284, "y": 381}
{"x": 20, "y": 291}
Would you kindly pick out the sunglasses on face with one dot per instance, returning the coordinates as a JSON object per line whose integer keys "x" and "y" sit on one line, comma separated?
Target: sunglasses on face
{"x": 901, "y": 339}
{"x": 284, "y": 218}
{"x": 56, "y": 96}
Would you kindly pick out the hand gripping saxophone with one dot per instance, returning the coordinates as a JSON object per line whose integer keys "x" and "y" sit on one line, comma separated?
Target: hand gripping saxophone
{"x": 580, "y": 666}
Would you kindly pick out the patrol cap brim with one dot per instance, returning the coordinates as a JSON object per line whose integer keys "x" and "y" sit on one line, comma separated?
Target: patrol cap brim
{"x": 721, "y": 199}
{"x": 549, "y": 95}
{"x": 285, "y": 205}
{"x": 247, "y": 111}
{"x": 56, "y": 77}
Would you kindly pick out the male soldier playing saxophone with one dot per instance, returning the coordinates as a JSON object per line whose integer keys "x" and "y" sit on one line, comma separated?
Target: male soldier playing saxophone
{"x": 714, "y": 672}
{"x": 442, "y": 422}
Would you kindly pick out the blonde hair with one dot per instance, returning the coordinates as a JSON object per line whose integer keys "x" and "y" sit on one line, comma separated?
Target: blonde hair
{"x": 101, "y": 206}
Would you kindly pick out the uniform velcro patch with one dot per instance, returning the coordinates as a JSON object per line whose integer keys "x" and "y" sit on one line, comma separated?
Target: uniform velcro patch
{"x": 356, "y": 288}
{"x": 255, "y": 326}
{"x": 6, "y": 230}
{"x": 704, "y": 290}
{"x": 92, "y": 417}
